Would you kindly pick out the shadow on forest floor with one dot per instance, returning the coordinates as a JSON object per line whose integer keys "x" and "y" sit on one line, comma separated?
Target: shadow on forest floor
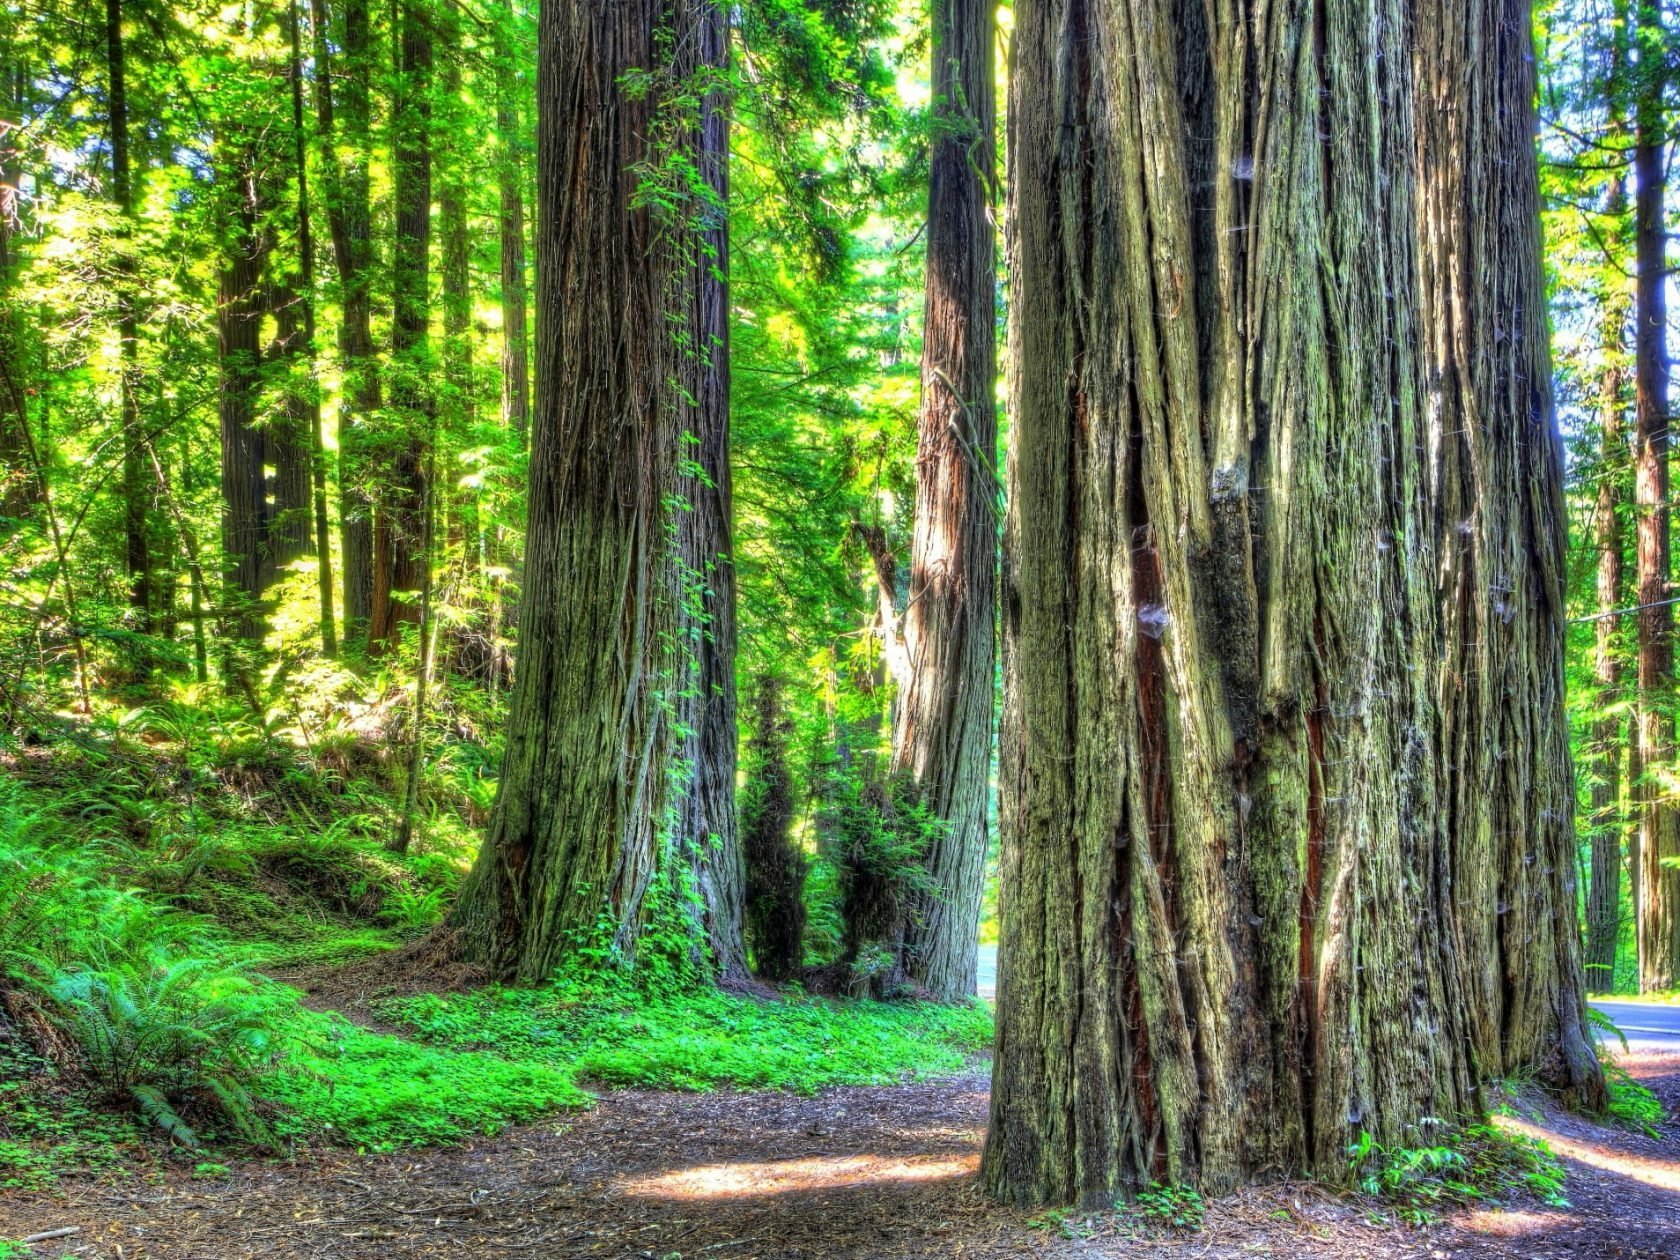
{"x": 849, "y": 1174}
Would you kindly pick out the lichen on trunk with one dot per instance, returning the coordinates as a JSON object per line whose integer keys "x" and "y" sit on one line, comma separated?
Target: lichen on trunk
{"x": 1283, "y": 732}
{"x": 580, "y": 828}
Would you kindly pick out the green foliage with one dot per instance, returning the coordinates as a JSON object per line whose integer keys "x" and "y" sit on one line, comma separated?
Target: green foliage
{"x": 162, "y": 1032}
{"x": 1471, "y": 1163}
{"x": 1177, "y": 1208}
{"x": 375, "y": 1092}
{"x": 1631, "y": 1103}
{"x": 702, "y": 1039}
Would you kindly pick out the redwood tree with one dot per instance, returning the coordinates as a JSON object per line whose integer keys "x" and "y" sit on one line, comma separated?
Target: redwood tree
{"x": 1285, "y": 784}
{"x": 1658, "y": 862}
{"x": 573, "y": 842}
{"x": 342, "y": 111}
{"x": 246, "y": 556}
{"x": 1609, "y": 746}
{"x": 943, "y": 733}
{"x": 400, "y": 507}
{"x": 704, "y": 569}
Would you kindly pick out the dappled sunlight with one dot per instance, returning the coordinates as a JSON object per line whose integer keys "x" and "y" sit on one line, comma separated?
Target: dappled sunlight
{"x": 1663, "y": 1174}
{"x": 787, "y": 1176}
{"x": 1500, "y": 1223}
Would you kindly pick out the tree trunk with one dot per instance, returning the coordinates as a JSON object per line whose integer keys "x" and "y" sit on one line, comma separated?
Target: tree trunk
{"x": 573, "y": 839}
{"x": 1608, "y": 738}
{"x": 775, "y": 868}
{"x": 516, "y": 389}
{"x": 705, "y": 567}
{"x": 400, "y": 504}
{"x": 286, "y": 440}
{"x": 1659, "y": 812}
{"x": 136, "y": 480}
{"x": 247, "y": 564}
{"x": 317, "y": 487}
{"x": 21, "y": 486}
{"x": 346, "y": 187}
{"x": 1244, "y": 916}
{"x": 943, "y": 734}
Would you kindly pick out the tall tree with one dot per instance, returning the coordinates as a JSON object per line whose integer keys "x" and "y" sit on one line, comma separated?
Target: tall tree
{"x": 1243, "y": 917}
{"x": 573, "y": 837}
{"x": 20, "y": 483}
{"x": 1609, "y": 743}
{"x": 137, "y": 476}
{"x": 246, "y": 557}
{"x": 1659, "y": 811}
{"x": 399, "y": 529}
{"x": 705, "y": 563}
{"x": 516, "y": 371}
{"x": 943, "y": 734}
{"x": 309, "y": 404}
{"x": 345, "y": 162}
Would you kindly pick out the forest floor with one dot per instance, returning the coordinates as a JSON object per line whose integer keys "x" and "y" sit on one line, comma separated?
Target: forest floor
{"x": 847, "y": 1174}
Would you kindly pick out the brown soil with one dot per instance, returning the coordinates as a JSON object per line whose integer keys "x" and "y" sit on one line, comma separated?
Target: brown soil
{"x": 852, "y": 1174}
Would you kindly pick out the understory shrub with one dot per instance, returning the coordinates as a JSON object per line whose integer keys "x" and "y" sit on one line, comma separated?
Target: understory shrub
{"x": 704, "y": 1039}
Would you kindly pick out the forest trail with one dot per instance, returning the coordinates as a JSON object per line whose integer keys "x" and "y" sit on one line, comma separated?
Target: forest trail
{"x": 850, "y": 1174}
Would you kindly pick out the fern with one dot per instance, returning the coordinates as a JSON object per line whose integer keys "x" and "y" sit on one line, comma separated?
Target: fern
{"x": 154, "y": 1106}
{"x": 166, "y": 1030}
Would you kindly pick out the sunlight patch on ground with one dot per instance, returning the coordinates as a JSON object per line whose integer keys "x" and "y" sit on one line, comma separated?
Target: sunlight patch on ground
{"x": 785, "y": 1176}
{"x": 1661, "y": 1173}
{"x": 1500, "y": 1223}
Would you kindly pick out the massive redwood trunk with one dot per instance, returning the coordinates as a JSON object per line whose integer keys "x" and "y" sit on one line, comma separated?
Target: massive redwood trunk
{"x": 943, "y": 736}
{"x": 573, "y": 843}
{"x": 1659, "y": 813}
{"x": 1252, "y": 902}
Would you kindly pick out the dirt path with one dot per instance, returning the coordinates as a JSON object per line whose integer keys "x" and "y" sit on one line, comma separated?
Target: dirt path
{"x": 852, "y": 1174}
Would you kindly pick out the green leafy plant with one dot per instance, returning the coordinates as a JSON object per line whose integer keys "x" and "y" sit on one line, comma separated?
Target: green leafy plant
{"x": 1174, "y": 1207}
{"x": 603, "y": 1028}
{"x": 1470, "y": 1163}
{"x": 164, "y": 1033}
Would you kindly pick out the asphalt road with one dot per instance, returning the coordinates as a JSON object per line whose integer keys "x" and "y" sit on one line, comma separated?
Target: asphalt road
{"x": 1647, "y": 1025}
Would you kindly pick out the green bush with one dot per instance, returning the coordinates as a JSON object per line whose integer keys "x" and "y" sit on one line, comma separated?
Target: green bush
{"x": 163, "y": 1033}
{"x": 703, "y": 1039}
{"x": 1466, "y": 1164}
{"x": 376, "y": 1092}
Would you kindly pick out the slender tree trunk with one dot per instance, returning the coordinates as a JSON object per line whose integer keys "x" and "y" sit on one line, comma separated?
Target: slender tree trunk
{"x": 400, "y": 508}
{"x": 1609, "y": 733}
{"x": 1659, "y": 812}
{"x": 516, "y": 389}
{"x": 21, "y": 486}
{"x": 573, "y": 838}
{"x": 1609, "y": 742}
{"x": 247, "y": 563}
{"x": 409, "y": 821}
{"x": 457, "y": 404}
{"x": 943, "y": 735}
{"x": 136, "y": 480}
{"x": 1242, "y": 919}
{"x": 705, "y": 568}
{"x": 322, "y": 538}
{"x": 346, "y": 187}
{"x": 287, "y": 448}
